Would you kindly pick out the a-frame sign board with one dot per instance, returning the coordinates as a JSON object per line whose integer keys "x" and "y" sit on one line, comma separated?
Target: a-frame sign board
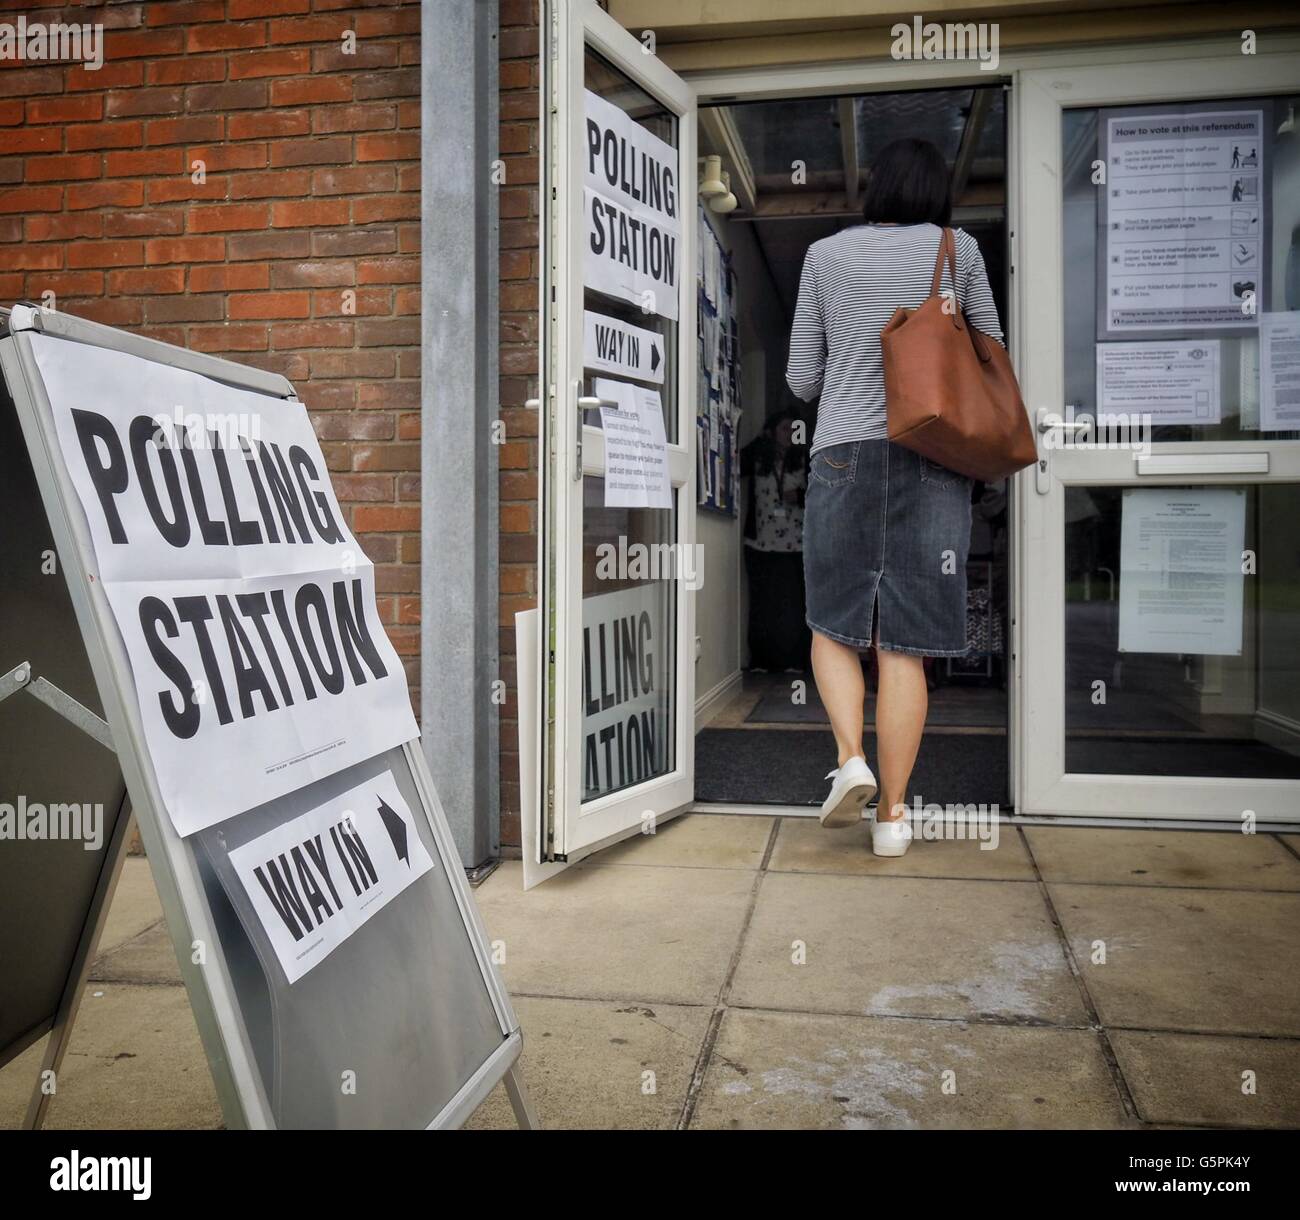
{"x": 335, "y": 961}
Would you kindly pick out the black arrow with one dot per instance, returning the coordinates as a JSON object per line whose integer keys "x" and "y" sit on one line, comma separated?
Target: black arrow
{"x": 654, "y": 355}
{"x": 395, "y": 824}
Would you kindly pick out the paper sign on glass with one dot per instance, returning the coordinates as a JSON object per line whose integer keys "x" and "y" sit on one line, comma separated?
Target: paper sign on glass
{"x": 632, "y": 210}
{"x": 1169, "y": 381}
{"x": 636, "y": 451}
{"x": 1181, "y": 583}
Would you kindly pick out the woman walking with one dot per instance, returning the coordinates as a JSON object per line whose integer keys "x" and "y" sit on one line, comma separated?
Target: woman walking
{"x": 886, "y": 531}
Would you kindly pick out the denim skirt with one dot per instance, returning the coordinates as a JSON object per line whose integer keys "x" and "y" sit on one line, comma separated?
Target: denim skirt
{"x": 886, "y": 533}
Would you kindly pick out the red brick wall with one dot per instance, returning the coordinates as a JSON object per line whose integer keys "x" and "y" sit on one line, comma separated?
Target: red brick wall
{"x": 312, "y": 191}
{"x": 520, "y": 222}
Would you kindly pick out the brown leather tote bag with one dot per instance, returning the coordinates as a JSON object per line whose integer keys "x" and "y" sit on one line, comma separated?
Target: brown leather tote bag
{"x": 950, "y": 392}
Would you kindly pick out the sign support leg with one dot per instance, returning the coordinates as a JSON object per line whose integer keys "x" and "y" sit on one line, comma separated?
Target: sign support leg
{"x": 20, "y": 679}
{"x": 70, "y": 1001}
{"x": 520, "y": 1102}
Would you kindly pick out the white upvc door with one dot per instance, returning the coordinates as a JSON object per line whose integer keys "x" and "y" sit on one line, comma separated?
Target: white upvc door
{"x": 1158, "y": 679}
{"x": 617, "y": 604}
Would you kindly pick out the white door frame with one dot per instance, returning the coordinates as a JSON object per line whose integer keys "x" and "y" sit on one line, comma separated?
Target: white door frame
{"x": 576, "y": 829}
{"x": 1045, "y": 786}
{"x": 832, "y": 78}
{"x": 1114, "y": 63}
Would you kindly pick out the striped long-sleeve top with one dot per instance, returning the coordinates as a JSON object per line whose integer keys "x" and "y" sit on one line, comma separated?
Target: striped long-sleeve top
{"x": 852, "y": 282}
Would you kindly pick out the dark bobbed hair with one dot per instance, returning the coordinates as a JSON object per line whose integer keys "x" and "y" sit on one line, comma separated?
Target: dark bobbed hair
{"x": 909, "y": 184}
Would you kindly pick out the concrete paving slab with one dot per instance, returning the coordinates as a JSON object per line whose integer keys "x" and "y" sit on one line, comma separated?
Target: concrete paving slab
{"x": 135, "y": 905}
{"x": 17, "y": 1079}
{"x": 1216, "y": 860}
{"x": 1212, "y": 961}
{"x": 585, "y": 1064}
{"x": 899, "y": 946}
{"x": 1201, "y": 1079}
{"x": 633, "y": 932}
{"x": 785, "y": 1070}
{"x": 694, "y": 841}
{"x": 147, "y": 958}
{"x": 803, "y": 846}
{"x": 134, "y": 1062}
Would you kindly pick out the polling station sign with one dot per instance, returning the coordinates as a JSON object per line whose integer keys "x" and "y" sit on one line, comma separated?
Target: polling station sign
{"x": 245, "y": 605}
{"x": 314, "y": 880}
{"x": 625, "y": 659}
{"x": 632, "y": 205}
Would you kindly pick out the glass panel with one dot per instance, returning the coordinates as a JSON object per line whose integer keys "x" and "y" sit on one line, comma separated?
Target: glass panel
{"x": 629, "y": 646}
{"x": 1184, "y": 229}
{"x": 1182, "y": 630}
{"x": 608, "y": 82}
{"x": 805, "y": 132}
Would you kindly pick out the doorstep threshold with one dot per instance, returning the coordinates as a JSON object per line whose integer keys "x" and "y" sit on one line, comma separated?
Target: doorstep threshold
{"x": 1114, "y": 822}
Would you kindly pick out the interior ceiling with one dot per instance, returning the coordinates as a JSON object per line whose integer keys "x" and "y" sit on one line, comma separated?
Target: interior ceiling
{"x": 797, "y": 172}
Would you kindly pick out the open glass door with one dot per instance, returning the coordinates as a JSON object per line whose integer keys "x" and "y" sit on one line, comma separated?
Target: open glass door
{"x": 1160, "y": 544}
{"x": 618, "y": 354}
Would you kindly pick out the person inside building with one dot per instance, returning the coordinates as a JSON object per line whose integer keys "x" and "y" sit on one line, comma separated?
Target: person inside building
{"x": 886, "y": 531}
{"x": 775, "y": 466}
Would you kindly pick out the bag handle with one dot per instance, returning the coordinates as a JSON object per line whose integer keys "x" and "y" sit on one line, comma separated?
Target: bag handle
{"x": 948, "y": 250}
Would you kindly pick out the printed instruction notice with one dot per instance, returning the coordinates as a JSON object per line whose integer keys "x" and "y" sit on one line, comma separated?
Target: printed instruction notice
{"x": 315, "y": 879}
{"x": 1169, "y": 381}
{"x": 636, "y": 448}
{"x": 1185, "y": 221}
{"x": 1279, "y": 372}
{"x": 1181, "y": 584}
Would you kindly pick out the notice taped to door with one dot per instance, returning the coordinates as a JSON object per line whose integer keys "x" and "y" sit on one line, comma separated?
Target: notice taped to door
{"x": 611, "y": 345}
{"x": 1181, "y": 583}
{"x": 246, "y": 606}
{"x": 636, "y": 448}
{"x": 1185, "y": 221}
{"x": 314, "y": 880}
{"x": 633, "y": 229}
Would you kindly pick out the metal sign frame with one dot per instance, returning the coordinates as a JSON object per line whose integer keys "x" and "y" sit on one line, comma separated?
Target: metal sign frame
{"x": 189, "y": 918}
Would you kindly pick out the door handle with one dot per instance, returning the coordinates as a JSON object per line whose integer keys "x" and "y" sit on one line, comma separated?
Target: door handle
{"x": 1046, "y": 421}
{"x": 586, "y": 402}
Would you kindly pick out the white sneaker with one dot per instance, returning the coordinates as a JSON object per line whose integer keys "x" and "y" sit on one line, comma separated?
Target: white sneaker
{"x": 890, "y": 838}
{"x": 854, "y": 786}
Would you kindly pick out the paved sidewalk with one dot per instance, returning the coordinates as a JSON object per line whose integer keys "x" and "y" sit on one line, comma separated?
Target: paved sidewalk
{"x": 762, "y": 972}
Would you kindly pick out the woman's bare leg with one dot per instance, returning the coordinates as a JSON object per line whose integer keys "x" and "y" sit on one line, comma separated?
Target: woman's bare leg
{"x": 901, "y": 705}
{"x": 838, "y": 670}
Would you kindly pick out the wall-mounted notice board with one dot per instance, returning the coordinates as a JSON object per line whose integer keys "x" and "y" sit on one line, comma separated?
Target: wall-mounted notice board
{"x": 718, "y": 415}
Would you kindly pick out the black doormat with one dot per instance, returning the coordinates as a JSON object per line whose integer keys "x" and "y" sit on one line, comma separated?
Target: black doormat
{"x": 776, "y": 767}
{"x": 972, "y": 706}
